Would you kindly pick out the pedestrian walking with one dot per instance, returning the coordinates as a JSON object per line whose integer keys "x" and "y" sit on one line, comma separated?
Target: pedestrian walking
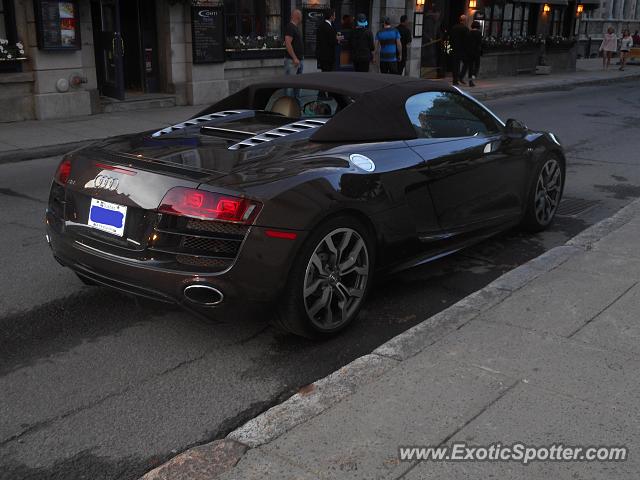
{"x": 474, "y": 51}
{"x": 362, "y": 45}
{"x": 405, "y": 40}
{"x": 389, "y": 47}
{"x": 625, "y": 47}
{"x": 458, "y": 42}
{"x": 294, "y": 45}
{"x": 608, "y": 47}
{"x": 326, "y": 42}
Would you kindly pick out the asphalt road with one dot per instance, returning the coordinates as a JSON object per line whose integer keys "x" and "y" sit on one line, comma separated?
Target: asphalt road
{"x": 94, "y": 384}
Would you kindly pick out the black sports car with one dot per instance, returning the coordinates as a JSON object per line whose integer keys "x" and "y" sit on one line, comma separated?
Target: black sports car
{"x": 295, "y": 190}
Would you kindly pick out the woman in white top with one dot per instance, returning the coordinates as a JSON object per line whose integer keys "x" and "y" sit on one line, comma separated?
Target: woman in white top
{"x": 625, "y": 46}
{"x": 608, "y": 47}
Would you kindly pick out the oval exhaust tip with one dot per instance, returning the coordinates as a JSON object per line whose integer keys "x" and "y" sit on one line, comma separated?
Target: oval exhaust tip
{"x": 204, "y": 295}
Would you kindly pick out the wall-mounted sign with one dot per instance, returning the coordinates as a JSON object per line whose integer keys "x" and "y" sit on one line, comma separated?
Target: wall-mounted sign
{"x": 57, "y": 24}
{"x": 207, "y": 34}
{"x": 311, "y": 19}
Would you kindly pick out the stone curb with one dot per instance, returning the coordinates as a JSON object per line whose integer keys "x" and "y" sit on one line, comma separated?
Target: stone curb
{"x": 323, "y": 394}
{"x": 206, "y": 461}
{"x": 20, "y": 155}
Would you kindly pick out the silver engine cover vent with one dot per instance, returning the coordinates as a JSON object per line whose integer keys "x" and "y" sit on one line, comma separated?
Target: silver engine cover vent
{"x": 196, "y": 121}
{"x": 283, "y": 131}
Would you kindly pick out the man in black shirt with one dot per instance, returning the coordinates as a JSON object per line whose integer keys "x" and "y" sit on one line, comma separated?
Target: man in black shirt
{"x": 293, "y": 43}
{"x": 458, "y": 39}
{"x": 405, "y": 40}
{"x": 362, "y": 45}
{"x": 326, "y": 42}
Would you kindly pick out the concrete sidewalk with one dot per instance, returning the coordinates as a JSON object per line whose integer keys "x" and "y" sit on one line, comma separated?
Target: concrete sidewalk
{"x": 35, "y": 139}
{"x": 588, "y": 72}
{"x": 548, "y": 353}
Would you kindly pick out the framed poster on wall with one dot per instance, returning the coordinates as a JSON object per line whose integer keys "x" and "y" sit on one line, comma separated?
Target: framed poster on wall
{"x": 57, "y": 24}
{"x": 311, "y": 19}
{"x": 207, "y": 34}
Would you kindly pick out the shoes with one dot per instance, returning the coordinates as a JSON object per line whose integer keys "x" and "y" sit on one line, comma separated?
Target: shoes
{"x": 471, "y": 84}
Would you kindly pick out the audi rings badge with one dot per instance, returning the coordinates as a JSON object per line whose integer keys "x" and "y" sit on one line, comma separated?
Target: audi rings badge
{"x": 105, "y": 182}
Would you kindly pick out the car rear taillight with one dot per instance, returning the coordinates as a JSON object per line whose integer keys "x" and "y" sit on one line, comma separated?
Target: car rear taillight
{"x": 189, "y": 202}
{"x": 63, "y": 172}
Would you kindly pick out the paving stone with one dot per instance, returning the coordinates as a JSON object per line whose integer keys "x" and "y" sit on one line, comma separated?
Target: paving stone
{"x": 558, "y": 302}
{"x": 419, "y": 402}
{"x": 258, "y": 465}
{"x": 539, "y": 418}
{"x": 617, "y": 327}
{"x": 566, "y": 366}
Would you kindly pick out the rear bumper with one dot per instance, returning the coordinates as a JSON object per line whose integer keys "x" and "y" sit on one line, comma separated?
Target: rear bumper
{"x": 258, "y": 275}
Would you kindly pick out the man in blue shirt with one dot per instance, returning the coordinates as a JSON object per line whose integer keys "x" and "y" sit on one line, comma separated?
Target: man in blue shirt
{"x": 390, "y": 48}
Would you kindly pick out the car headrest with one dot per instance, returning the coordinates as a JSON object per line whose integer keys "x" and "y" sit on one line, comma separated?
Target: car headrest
{"x": 287, "y": 106}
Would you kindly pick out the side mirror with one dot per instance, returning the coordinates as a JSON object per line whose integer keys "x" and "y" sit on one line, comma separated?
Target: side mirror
{"x": 515, "y": 129}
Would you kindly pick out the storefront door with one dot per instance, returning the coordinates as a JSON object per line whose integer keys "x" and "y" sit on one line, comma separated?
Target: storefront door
{"x": 109, "y": 47}
{"x": 125, "y": 37}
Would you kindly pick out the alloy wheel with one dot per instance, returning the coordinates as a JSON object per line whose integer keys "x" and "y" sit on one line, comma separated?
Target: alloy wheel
{"x": 548, "y": 191}
{"x": 336, "y": 278}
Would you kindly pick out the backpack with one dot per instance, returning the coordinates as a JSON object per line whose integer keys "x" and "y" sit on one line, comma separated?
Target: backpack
{"x": 361, "y": 44}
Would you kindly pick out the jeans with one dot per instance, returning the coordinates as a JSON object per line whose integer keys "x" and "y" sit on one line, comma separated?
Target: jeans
{"x": 291, "y": 69}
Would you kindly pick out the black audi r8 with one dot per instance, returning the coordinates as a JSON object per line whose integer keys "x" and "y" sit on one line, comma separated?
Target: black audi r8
{"x": 295, "y": 190}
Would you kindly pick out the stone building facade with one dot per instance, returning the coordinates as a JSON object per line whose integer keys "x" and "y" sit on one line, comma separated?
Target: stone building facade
{"x": 151, "y": 44}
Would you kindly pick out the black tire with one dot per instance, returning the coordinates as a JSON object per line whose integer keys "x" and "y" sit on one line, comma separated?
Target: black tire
{"x": 540, "y": 212}
{"x": 294, "y": 310}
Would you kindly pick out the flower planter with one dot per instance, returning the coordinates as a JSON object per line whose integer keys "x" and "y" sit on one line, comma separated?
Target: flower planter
{"x": 509, "y": 62}
{"x": 255, "y": 53}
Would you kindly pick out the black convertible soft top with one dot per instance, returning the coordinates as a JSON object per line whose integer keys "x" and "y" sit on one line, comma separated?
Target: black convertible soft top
{"x": 377, "y": 114}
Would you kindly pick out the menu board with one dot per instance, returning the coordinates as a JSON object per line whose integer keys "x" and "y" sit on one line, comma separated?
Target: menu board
{"x": 311, "y": 19}
{"x": 207, "y": 34}
{"x": 57, "y": 24}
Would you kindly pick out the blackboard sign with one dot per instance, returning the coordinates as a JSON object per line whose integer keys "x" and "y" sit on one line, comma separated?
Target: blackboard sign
{"x": 207, "y": 34}
{"x": 57, "y": 24}
{"x": 311, "y": 19}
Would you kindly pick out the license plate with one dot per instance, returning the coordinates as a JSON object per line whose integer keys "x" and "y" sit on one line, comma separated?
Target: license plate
{"x": 108, "y": 217}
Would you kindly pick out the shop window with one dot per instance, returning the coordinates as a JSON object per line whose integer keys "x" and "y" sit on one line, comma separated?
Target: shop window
{"x": 7, "y": 22}
{"x": 253, "y": 18}
{"x": 8, "y": 32}
{"x": 506, "y": 21}
{"x": 449, "y": 115}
